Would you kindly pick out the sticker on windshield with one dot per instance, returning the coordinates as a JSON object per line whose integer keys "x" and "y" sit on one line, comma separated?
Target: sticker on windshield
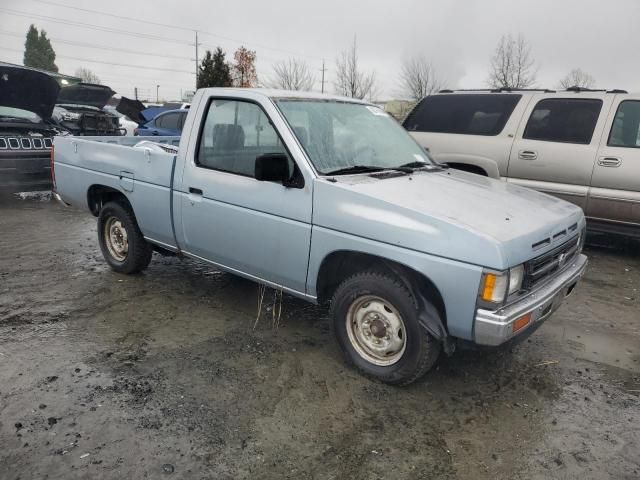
{"x": 419, "y": 158}
{"x": 377, "y": 111}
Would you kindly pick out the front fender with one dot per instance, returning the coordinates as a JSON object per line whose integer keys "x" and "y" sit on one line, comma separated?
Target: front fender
{"x": 456, "y": 281}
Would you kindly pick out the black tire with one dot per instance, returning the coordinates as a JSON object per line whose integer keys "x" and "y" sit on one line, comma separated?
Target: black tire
{"x": 421, "y": 349}
{"x": 138, "y": 254}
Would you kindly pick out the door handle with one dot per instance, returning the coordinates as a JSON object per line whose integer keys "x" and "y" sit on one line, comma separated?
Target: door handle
{"x": 609, "y": 162}
{"x": 527, "y": 155}
{"x": 195, "y": 191}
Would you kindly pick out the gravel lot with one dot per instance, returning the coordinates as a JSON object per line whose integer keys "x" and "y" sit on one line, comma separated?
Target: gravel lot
{"x": 162, "y": 375}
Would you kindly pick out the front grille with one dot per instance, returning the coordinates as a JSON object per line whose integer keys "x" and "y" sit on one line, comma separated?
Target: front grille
{"x": 547, "y": 264}
{"x": 25, "y": 143}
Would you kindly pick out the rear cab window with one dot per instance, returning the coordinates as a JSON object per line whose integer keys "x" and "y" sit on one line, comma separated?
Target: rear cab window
{"x": 564, "y": 120}
{"x": 466, "y": 114}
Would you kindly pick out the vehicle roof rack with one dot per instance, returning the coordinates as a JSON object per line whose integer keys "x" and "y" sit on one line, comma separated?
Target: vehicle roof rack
{"x": 584, "y": 89}
{"x": 498, "y": 90}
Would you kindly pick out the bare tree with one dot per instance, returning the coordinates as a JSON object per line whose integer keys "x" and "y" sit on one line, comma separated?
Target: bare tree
{"x": 292, "y": 74}
{"x": 577, "y": 78}
{"x": 512, "y": 65}
{"x": 87, "y": 75}
{"x": 350, "y": 80}
{"x": 418, "y": 78}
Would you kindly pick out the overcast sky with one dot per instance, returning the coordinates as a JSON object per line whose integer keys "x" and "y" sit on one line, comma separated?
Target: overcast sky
{"x": 458, "y": 36}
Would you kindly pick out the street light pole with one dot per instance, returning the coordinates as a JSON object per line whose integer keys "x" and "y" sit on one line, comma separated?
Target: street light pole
{"x": 157, "y": 97}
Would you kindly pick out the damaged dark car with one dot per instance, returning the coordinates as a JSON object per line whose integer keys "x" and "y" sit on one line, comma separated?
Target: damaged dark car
{"x": 27, "y": 98}
{"x": 79, "y": 109}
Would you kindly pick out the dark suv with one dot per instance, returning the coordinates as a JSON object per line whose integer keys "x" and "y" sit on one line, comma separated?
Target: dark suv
{"x": 27, "y": 98}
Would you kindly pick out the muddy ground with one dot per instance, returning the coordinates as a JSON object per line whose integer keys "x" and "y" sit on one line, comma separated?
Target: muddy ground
{"x": 162, "y": 375}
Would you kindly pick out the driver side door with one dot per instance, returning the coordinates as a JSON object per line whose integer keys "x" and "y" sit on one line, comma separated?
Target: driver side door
{"x": 260, "y": 229}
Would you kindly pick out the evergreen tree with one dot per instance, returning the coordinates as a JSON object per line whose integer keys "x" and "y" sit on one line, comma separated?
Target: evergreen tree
{"x": 214, "y": 71}
{"x": 38, "y": 52}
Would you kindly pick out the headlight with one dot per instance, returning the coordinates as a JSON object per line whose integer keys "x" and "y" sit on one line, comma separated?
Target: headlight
{"x": 496, "y": 286}
{"x": 516, "y": 274}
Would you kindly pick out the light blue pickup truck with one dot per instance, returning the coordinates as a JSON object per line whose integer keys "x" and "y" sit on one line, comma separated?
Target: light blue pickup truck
{"x": 330, "y": 200}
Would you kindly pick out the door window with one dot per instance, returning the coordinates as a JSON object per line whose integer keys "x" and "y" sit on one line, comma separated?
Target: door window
{"x": 563, "y": 120}
{"x": 469, "y": 114}
{"x": 233, "y": 135}
{"x": 625, "y": 131}
{"x": 169, "y": 121}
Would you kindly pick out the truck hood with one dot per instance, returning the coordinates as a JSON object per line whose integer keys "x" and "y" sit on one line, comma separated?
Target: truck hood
{"x": 448, "y": 213}
{"x": 28, "y": 90}
{"x": 85, "y": 94}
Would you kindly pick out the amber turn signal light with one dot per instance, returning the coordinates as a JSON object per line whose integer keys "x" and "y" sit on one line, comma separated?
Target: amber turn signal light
{"x": 521, "y": 322}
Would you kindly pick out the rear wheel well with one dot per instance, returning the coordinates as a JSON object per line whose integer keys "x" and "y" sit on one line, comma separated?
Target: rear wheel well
{"x": 98, "y": 195}
{"x": 340, "y": 265}
{"x": 465, "y": 167}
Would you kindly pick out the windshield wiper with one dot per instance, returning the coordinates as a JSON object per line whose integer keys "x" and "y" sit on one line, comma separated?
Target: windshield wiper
{"x": 418, "y": 165}
{"x": 356, "y": 169}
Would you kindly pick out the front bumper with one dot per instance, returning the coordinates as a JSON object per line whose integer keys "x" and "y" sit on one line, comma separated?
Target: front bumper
{"x": 493, "y": 328}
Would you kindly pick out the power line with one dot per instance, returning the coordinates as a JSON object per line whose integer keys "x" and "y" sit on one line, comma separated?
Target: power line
{"x": 99, "y": 47}
{"x": 204, "y": 32}
{"x": 93, "y": 26}
{"x": 113, "y": 15}
{"x": 144, "y": 67}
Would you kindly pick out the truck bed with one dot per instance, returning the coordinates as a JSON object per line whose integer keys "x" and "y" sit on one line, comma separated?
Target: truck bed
{"x": 143, "y": 175}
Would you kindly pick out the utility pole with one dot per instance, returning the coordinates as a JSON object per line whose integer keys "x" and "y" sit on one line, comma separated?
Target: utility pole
{"x": 135, "y": 89}
{"x": 197, "y": 64}
{"x": 323, "y": 70}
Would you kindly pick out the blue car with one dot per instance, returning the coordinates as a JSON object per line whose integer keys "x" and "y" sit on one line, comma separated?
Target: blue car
{"x": 167, "y": 123}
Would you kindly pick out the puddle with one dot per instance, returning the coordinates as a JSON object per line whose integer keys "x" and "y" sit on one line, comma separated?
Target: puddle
{"x": 612, "y": 349}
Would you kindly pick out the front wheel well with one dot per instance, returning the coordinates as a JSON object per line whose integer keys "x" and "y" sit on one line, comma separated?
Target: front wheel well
{"x": 98, "y": 195}
{"x": 340, "y": 265}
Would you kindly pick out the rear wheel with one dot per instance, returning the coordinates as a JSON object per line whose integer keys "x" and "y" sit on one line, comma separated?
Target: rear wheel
{"x": 376, "y": 324}
{"x": 121, "y": 241}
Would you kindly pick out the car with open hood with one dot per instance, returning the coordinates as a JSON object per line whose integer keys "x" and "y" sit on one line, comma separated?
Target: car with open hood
{"x": 27, "y": 99}
{"x": 80, "y": 109}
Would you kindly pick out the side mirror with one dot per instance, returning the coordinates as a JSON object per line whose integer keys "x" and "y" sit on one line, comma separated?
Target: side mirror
{"x": 272, "y": 167}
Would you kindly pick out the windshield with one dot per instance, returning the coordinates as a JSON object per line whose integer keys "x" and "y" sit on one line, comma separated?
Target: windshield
{"x": 339, "y": 135}
{"x": 10, "y": 113}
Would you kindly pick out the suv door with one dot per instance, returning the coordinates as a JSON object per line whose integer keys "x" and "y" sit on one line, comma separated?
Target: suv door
{"x": 615, "y": 186}
{"x": 556, "y": 144}
{"x": 259, "y": 228}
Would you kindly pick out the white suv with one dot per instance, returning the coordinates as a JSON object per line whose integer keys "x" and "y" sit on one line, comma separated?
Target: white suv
{"x": 580, "y": 145}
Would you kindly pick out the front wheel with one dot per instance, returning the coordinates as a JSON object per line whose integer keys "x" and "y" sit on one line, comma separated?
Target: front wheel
{"x": 376, "y": 324}
{"x": 121, "y": 241}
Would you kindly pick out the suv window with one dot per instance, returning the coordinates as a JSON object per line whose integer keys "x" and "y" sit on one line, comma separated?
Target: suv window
{"x": 169, "y": 120}
{"x": 467, "y": 113}
{"x": 625, "y": 131}
{"x": 565, "y": 120}
{"x": 233, "y": 135}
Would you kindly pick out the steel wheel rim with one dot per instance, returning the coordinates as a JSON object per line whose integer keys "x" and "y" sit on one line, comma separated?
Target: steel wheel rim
{"x": 376, "y": 330}
{"x": 116, "y": 239}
